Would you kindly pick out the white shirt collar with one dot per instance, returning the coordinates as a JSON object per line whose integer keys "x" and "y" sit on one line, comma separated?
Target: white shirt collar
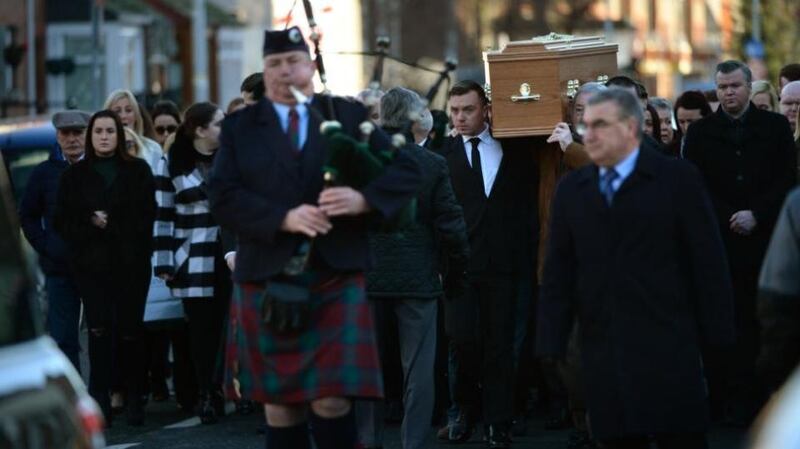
{"x": 485, "y": 135}
{"x": 626, "y": 166}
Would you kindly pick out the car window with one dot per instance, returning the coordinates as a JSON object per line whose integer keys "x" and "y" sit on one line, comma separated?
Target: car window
{"x": 20, "y": 164}
{"x": 17, "y": 320}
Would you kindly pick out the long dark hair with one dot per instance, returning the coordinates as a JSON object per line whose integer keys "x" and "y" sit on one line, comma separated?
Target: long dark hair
{"x": 656, "y": 120}
{"x": 182, "y": 155}
{"x": 119, "y": 151}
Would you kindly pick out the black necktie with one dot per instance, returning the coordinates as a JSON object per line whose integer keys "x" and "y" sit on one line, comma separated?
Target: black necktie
{"x": 476, "y": 158}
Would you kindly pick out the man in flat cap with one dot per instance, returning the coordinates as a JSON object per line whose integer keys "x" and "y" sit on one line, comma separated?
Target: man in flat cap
{"x": 267, "y": 187}
{"x": 36, "y": 214}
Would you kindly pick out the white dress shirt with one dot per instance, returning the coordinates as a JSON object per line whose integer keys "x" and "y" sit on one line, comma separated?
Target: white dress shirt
{"x": 491, "y": 155}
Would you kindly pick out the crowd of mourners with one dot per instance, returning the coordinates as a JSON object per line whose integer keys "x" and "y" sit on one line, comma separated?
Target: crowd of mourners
{"x": 632, "y": 274}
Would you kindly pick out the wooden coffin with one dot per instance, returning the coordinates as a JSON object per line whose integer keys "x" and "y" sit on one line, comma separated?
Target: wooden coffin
{"x": 531, "y": 82}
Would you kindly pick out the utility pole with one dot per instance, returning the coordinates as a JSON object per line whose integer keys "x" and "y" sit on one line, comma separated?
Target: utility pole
{"x": 200, "y": 51}
{"x": 98, "y": 8}
{"x": 31, "y": 69}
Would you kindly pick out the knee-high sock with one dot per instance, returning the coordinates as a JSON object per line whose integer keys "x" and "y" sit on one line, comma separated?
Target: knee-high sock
{"x": 334, "y": 433}
{"x": 294, "y": 437}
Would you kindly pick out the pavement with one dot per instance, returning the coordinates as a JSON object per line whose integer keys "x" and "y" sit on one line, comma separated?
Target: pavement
{"x": 168, "y": 427}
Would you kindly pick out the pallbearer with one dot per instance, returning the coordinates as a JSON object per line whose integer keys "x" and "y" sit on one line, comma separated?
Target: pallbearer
{"x": 300, "y": 341}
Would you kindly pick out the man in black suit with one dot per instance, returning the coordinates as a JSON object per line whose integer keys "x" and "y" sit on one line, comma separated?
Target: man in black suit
{"x": 266, "y": 186}
{"x": 747, "y": 158}
{"x": 635, "y": 254}
{"x": 495, "y": 183}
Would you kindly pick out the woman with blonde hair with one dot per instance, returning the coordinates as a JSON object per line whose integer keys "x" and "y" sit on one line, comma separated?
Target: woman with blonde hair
{"x": 124, "y": 103}
{"x": 763, "y": 96}
{"x": 136, "y": 147}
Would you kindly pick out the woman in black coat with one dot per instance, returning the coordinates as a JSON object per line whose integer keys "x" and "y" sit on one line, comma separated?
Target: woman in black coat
{"x": 105, "y": 211}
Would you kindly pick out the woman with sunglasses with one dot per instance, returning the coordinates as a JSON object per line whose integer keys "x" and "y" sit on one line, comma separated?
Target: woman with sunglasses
{"x": 105, "y": 210}
{"x": 166, "y": 119}
{"x": 189, "y": 250}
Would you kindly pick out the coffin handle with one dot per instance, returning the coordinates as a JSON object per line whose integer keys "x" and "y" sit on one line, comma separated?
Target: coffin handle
{"x": 525, "y": 94}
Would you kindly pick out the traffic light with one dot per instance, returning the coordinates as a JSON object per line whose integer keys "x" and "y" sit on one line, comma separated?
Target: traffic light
{"x": 12, "y": 54}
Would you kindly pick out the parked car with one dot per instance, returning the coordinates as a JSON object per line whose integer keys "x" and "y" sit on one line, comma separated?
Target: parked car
{"x": 44, "y": 403}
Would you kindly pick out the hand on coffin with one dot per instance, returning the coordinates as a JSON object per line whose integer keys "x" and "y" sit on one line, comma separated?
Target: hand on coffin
{"x": 562, "y": 135}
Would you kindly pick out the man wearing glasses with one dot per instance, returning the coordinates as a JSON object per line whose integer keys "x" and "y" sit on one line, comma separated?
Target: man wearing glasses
{"x": 635, "y": 255}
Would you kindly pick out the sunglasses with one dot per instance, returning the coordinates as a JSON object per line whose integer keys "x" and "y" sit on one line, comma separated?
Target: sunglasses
{"x": 169, "y": 129}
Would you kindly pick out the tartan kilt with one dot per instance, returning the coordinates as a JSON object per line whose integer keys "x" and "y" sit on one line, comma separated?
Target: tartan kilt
{"x": 336, "y": 356}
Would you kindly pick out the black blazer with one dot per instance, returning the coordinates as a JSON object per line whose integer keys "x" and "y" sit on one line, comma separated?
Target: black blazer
{"x": 648, "y": 281}
{"x": 755, "y": 174}
{"x": 127, "y": 242}
{"x": 256, "y": 180}
{"x": 503, "y": 228}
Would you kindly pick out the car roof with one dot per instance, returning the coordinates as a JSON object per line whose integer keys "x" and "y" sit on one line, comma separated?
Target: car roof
{"x": 33, "y": 137}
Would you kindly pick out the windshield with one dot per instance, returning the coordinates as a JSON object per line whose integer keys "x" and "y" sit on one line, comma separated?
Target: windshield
{"x": 17, "y": 322}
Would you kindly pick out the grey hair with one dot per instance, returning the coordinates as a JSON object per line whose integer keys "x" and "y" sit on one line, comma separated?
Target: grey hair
{"x": 733, "y": 65}
{"x": 399, "y": 107}
{"x": 661, "y": 103}
{"x": 425, "y": 122}
{"x": 629, "y": 106}
{"x": 591, "y": 87}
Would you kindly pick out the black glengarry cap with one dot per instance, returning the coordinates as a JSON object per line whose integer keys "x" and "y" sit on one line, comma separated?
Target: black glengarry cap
{"x": 284, "y": 40}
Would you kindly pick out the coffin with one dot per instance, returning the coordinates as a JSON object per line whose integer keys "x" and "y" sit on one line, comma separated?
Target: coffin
{"x": 531, "y": 82}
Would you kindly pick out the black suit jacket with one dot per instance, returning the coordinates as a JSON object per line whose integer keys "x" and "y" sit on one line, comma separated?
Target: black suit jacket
{"x": 754, "y": 174}
{"x": 257, "y": 179}
{"x": 648, "y": 282}
{"x": 503, "y": 228}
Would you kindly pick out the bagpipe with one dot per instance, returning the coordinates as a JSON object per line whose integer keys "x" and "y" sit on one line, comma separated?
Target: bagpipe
{"x": 352, "y": 162}
{"x": 287, "y": 306}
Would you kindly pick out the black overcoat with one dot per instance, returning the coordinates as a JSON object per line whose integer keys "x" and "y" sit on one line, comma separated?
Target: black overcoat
{"x": 754, "y": 173}
{"x": 121, "y": 252}
{"x": 648, "y": 281}
{"x": 257, "y": 178}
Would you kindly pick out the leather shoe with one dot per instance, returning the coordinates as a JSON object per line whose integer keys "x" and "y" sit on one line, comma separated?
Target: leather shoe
{"x": 499, "y": 437}
{"x": 462, "y": 429}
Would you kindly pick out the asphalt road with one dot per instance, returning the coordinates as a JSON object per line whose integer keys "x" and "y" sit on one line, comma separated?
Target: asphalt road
{"x": 167, "y": 427}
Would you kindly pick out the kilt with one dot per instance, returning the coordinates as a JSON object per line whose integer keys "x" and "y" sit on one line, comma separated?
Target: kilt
{"x": 336, "y": 356}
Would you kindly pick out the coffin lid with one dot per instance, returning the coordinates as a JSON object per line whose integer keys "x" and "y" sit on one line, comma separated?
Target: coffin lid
{"x": 550, "y": 46}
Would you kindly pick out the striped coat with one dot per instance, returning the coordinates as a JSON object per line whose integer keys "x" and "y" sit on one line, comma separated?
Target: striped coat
{"x": 187, "y": 238}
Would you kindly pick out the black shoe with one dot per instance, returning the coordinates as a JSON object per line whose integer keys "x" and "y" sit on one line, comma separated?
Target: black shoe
{"x": 245, "y": 407}
{"x": 519, "y": 427}
{"x": 499, "y": 437}
{"x": 560, "y": 419}
{"x": 105, "y": 408}
{"x": 206, "y": 410}
{"x": 135, "y": 415}
{"x": 218, "y": 402}
{"x": 580, "y": 440}
{"x": 159, "y": 390}
{"x": 462, "y": 429}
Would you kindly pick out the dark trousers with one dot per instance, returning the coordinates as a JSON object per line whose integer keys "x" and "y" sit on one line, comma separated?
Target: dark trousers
{"x": 157, "y": 359}
{"x": 205, "y": 319}
{"x": 63, "y": 315}
{"x": 114, "y": 304}
{"x": 485, "y": 355}
{"x": 662, "y": 441}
